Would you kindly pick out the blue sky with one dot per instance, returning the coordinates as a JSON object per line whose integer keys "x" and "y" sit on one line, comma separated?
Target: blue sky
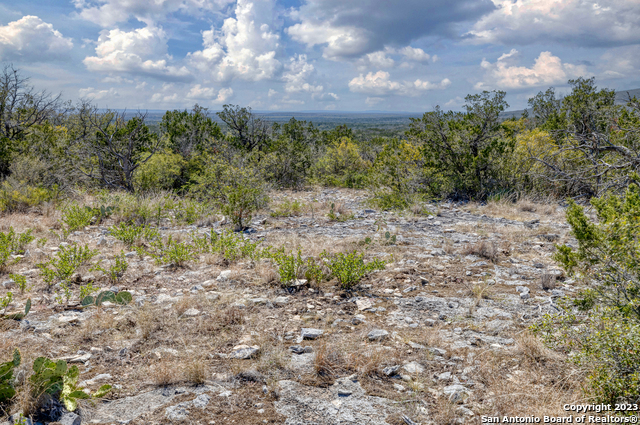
{"x": 296, "y": 55}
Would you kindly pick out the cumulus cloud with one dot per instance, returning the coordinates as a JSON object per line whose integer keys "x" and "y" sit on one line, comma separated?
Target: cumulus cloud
{"x": 299, "y": 71}
{"x": 350, "y": 29}
{"x": 109, "y": 12}
{"x": 30, "y": 39}
{"x": 244, "y": 48}
{"x": 376, "y": 60}
{"x": 546, "y": 70}
{"x": 95, "y": 94}
{"x": 142, "y": 51}
{"x": 199, "y": 92}
{"x": 415, "y": 54}
{"x": 380, "y": 84}
{"x": 579, "y": 22}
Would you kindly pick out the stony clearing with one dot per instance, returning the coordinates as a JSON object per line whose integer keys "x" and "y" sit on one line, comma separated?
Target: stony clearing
{"x": 439, "y": 336}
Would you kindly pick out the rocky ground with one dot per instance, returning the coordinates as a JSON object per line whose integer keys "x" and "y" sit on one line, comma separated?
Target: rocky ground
{"x": 439, "y": 336}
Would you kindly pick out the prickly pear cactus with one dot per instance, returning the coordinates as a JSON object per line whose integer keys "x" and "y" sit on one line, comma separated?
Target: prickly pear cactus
{"x": 105, "y": 296}
{"x": 47, "y": 375}
{"x": 6, "y": 377}
{"x": 123, "y": 297}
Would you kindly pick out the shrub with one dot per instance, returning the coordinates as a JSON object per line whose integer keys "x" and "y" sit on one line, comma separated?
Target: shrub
{"x": 130, "y": 234}
{"x": 395, "y": 177}
{"x": 75, "y": 218}
{"x": 238, "y": 192}
{"x": 287, "y": 209}
{"x": 171, "y": 252}
{"x": 115, "y": 272}
{"x": 601, "y": 327}
{"x": 160, "y": 172}
{"x": 229, "y": 245}
{"x": 18, "y": 197}
{"x": 349, "y": 268}
{"x": 463, "y": 151}
{"x": 341, "y": 165}
{"x": 66, "y": 261}
{"x": 289, "y": 265}
{"x": 20, "y": 281}
{"x": 12, "y": 243}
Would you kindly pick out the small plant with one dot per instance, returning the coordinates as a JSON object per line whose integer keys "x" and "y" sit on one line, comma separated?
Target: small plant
{"x": 313, "y": 271}
{"x": 12, "y": 243}
{"x": 288, "y": 209}
{"x": 65, "y": 263}
{"x": 335, "y": 214}
{"x": 87, "y": 290}
{"x": 75, "y": 218}
{"x": 20, "y": 281}
{"x": 171, "y": 252}
{"x": 100, "y": 213}
{"x": 230, "y": 246}
{"x": 130, "y": 234}
{"x": 20, "y": 316}
{"x": 65, "y": 296}
{"x": 349, "y": 268}
{"x": 7, "y": 390}
{"x": 5, "y": 301}
{"x": 289, "y": 265}
{"x": 115, "y": 272}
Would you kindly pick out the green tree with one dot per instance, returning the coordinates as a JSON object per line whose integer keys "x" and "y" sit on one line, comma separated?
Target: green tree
{"x": 21, "y": 108}
{"x": 248, "y": 132}
{"x": 189, "y": 132}
{"x": 462, "y": 150}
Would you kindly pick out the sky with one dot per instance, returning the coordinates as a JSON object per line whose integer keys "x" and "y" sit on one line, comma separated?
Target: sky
{"x": 316, "y": 55}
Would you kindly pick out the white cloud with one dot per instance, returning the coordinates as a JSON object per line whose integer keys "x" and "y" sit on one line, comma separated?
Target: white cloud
{"x": 546, "y": 70}
{"x": 373, "y": 100}
{"x": 94, "y": 94}
{"x": 209, "y": 93}
{"x": 456, "y": 102}
{"x": 415, "y": 54}
{"x": 579, "y": 22}
{"x": 244, "y": 48}
{"x": 297, "y": 74}
{"x": 380, "y": 84}
{"x": 378, "y": 60}
{"x": 109, "y": 12}
{"x": 30, "y": 39}
{"x": 341, "y": 41}
{"x": 142, "y": 51}
{"x": 272, "y": 93}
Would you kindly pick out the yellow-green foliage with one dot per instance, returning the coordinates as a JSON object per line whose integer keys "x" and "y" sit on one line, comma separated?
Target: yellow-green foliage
{"x": 18, "y": 197}
{"x": 530, "y": 174}
{"x": 159, "y": 172}
{"x": 395, "y": 175}
{"x": 342, "y": 165}
{"x": 238, "y": 191}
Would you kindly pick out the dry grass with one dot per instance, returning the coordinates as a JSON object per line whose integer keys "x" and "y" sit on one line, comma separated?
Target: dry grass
{"x": 532, "y": 379}
{"x": 483, "y": 249}
{"x": 195, "y": 371}
{"x": 164, "y": 372}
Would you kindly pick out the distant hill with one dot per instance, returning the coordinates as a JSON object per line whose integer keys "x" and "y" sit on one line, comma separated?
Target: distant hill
{"x": 622, "y": 96}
